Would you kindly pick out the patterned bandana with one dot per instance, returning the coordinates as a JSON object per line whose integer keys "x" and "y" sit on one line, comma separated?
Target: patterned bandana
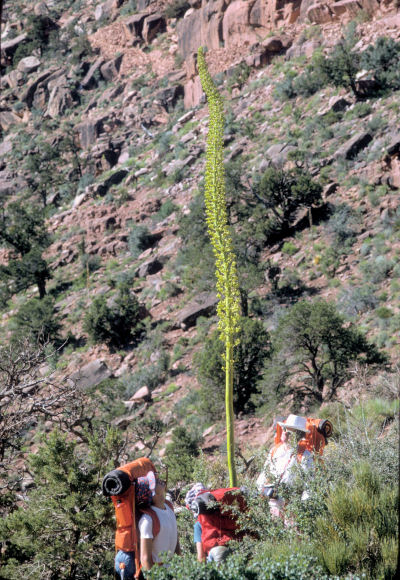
{"x": 193, "y": 492}
{"x": 144, "y": 489}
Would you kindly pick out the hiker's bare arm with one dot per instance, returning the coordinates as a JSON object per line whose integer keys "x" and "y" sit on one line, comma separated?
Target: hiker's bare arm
{"x": 200, "y": 552}
{"x": 178, "y": 548}
{"x": 146, "y": 549}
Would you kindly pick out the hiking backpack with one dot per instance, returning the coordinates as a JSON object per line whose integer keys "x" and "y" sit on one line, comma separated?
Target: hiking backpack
{"x": 119, "y": 484}
{"x": 219, "y": 523}
{"x": 314, "y": 441}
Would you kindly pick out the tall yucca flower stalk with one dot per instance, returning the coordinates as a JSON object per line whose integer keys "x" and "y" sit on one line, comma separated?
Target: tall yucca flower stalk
{"x": 225, "y": 264}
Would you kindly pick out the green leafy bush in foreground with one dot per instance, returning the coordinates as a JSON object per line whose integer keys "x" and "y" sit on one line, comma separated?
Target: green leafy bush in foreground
{"x": 114, "y": 323}
{"x": 237, "y": 567}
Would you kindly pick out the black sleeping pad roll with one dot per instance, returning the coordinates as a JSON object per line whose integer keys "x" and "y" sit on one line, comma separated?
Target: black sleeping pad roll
{"x": 115, "y": 482}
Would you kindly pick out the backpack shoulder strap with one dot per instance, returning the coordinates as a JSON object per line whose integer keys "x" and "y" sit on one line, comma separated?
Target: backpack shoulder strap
{"x": 154, "y": 518}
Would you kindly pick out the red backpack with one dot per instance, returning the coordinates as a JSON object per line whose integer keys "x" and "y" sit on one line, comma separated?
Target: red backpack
{"x": 219, "y": 524}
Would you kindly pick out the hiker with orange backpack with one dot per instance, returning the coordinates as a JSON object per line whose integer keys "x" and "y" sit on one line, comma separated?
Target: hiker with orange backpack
{"x": 153, "y": 543}
{"x": 132, "y": 488}
{"x": 297, "y": 441}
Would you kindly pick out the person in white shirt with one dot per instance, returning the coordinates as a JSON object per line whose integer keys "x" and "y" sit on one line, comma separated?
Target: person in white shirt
{"x": 282, "y": 461}
{"x": 166, "y": 540}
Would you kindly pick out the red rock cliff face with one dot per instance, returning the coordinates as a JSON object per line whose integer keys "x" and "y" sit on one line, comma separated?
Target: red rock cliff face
{"x": 242, "y": 23}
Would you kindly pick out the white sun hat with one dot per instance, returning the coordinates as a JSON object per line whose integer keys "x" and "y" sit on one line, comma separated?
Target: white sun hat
{"x": 294, "y": 423}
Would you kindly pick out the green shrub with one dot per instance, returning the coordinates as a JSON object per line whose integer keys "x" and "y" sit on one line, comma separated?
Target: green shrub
{"x": 282, "y": 193}
{"x": 361, "y": 514}
{"x": 139, "y": 240}
{"x": 250, "y": 354}
{"x": 179, "y": 456}
{"x": 151, "y": 375}
{"x": 66, "y": 527}
{"x": 38, "y": 29}
{"x": 117, "y": 322}
{"x": 353, "y": 301}
{"x": 166, "y": 210}
{"x": 37, "y": 319}
{"x": 289, "y": 248}
{"x": 177, "y": 8}
{"x": 313, "y": 345}
{"x": 383, "y": 60}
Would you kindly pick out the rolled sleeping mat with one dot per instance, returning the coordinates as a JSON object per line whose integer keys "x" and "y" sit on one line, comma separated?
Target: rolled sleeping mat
{"x": 115, "y": 482}
{"x": 326, "y": 428}
{"x": 204, "y": 503}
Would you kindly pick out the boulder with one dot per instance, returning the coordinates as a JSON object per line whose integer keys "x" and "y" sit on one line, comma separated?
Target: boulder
{"x": 169, "y": 96}
{"x": 110, "y": 69}
{"x": 5, "y": 147}
{"x": 114, "y": 179}
{"x": 143, "y": 4}
{"x": 142, "y": 395}
{"x": 14, "y": 79}
{"x": 90, "y": 80}
{"x": 277, "y": 154}
{"x": 91, "y": 374}
{"x": 346, "y": 8}
{"x": 59, "y": 101}
{"x": 28, "y": 94}
{"x": 107, "y": 9}
{"x": 150, "y": 267}
{"x": 8, "y": 47}
{"x": 353, "y": 146}
{"x": 9, "y": 183}
{"x": 320, "y": 14}
{"x": 133, "y": 27}
{"x": 277, "y": 44}
{"x": 7, "y": 119}
{"x": 302, "y": 49}
{"x": 236, "y": 27}
{"x": 40, "y": 98}
{"x": 193, "y": 93}
{"x": 153, "y": 25}
{"x": 79, "y": 199}
{"x": 89, "y": 131}
{"x": 329, "y": 189}
{"x": 41, "y": 9}
{"x": 106, "y": 154}
{"x": 394, "y": 145}
{"x": 203, "y": 305}
{"x": 189, "y": 30}
{"x": 124, "y": 422}
{"x": 335, "y": 104}
{"x": 28, "y": 64}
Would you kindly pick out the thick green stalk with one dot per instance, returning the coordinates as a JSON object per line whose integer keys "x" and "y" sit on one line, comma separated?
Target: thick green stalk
{"x": 228, "y": 308}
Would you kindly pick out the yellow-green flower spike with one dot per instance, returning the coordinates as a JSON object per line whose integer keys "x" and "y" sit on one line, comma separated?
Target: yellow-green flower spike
{"x": 225, "y": 263}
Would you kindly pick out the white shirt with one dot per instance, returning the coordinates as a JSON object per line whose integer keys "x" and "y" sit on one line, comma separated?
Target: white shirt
{"x": 167, "y": 538}
{"x": 281, "y": 465}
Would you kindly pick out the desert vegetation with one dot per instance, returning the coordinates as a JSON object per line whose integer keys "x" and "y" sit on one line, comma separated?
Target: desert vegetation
{"x": 111, "y": 330}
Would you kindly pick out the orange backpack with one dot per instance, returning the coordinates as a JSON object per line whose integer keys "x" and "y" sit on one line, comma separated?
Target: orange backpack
{"x": 318, "y": 432}
{"x": 126, "y": 535}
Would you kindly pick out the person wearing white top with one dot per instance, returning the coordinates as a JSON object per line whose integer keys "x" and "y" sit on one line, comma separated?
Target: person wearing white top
{"x": 282, "y": 462}
{"x": 167, "y": 539}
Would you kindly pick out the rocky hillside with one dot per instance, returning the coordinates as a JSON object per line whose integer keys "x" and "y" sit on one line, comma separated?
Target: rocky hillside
{"x": 103, "y": 128}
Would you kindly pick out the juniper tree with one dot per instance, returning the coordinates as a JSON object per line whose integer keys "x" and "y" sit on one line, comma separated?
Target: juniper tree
{"x": 23, "y": 230}
{"x": 312, "y": 350}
